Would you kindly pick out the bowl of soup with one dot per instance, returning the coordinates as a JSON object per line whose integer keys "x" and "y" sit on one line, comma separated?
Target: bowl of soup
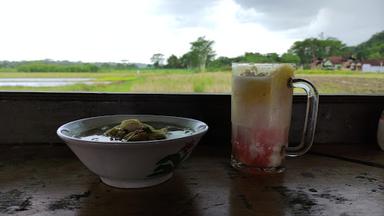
{"x": 132, "y": 151}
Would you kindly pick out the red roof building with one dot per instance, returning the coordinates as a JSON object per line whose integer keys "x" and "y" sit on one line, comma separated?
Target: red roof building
{"x": 336, "y": 59}
{"x": 374, "y": 62}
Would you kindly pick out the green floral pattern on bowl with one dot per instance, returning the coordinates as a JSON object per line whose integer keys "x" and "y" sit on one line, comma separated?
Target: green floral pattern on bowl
{"x": 170, "y": 162}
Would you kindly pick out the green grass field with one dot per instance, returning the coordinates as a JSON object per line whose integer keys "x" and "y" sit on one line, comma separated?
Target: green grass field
{"x": 183, "y": 81}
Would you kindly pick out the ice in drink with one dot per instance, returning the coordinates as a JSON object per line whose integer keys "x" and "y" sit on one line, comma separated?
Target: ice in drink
{"x": 261, "y": 114}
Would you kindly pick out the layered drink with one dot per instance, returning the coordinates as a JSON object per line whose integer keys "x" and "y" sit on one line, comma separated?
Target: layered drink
{"x": 261, "y": 114}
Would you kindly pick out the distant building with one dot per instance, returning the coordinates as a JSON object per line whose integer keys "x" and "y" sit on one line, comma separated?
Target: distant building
{"x": 336, "y": 63}
{"x": 351, "y": 64}
{"x": 331, "y": 63}
{"x": 373, "y": 65}
{"x": 316, "y": 63}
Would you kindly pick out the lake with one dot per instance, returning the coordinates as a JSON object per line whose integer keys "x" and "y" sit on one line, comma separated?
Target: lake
{"x": 45, "y": 82}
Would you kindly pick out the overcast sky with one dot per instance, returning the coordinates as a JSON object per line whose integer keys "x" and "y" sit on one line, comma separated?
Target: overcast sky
{"x": 115, "y": 30}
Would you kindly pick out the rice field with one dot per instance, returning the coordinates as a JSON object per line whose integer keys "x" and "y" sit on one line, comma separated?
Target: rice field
{"x": 182, "y": 81}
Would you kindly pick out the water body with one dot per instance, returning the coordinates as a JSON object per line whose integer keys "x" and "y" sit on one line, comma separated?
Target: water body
{"x": 45, "y": 82}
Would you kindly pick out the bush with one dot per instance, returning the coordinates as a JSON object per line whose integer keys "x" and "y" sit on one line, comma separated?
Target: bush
{"x": 49, "y": 67}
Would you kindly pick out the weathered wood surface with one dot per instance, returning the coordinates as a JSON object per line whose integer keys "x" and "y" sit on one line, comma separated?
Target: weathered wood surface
{"x": 358, "y": 154}
{"x": 49, "y": 180}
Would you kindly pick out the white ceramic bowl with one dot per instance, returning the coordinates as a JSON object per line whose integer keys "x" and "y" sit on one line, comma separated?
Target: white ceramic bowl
{"x": 132, "y": 164}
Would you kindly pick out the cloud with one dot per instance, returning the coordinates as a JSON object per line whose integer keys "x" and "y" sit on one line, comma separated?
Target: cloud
{"x": 81, "y": 30}
{"x": 101, "y": 30}
{"x": 355, "y": 21}
{"x": 185, "y": 13}
{"x": 352, "y": 21}
{"x": 282, "y": 15}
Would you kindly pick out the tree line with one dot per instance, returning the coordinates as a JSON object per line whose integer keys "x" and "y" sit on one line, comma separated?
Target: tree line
{"x": 48, "y": 65}
{"x": 201, "y": 54}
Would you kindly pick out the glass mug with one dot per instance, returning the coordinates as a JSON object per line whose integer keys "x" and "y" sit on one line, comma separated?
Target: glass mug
{"x": 261, "y": 114}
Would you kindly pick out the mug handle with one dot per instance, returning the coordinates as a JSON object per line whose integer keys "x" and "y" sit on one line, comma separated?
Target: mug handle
{"x": 310, "y": 117}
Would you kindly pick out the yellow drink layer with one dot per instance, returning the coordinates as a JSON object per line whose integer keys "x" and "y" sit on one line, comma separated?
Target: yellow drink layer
{"x": 257, "y": 94}
{"x": 251, "y": 90}
{"x": 282, "y": 75}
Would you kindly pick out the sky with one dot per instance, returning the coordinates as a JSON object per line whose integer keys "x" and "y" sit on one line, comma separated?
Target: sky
{"x": 132, "y": 31}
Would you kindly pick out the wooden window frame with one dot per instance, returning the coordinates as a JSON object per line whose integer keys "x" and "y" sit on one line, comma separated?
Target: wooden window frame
{"x": 33, "y": 117}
